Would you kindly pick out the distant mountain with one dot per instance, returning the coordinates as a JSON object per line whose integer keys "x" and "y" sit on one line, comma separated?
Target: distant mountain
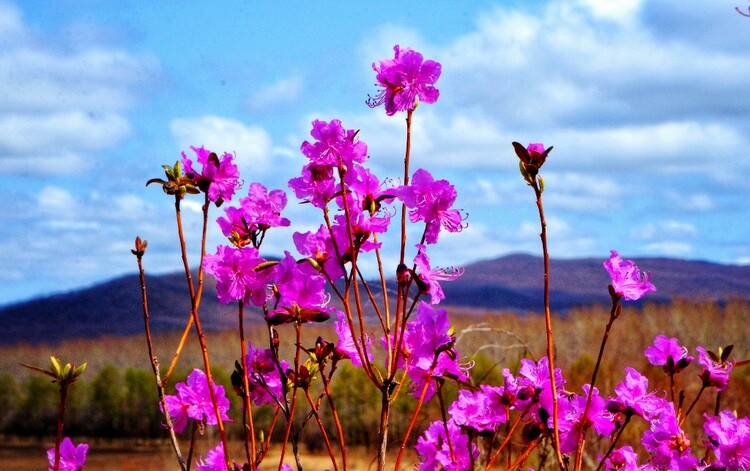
{"x": 513, "y": 282}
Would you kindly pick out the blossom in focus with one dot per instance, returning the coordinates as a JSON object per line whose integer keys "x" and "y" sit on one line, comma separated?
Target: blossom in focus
{"x": 407, "y": 80}
{"x": 715, "y": 370}
{"x": 334, "y": 145}
{"x": 72, "y": 457}
{"x": 428, "y": 278}
{"x": 434, "y": 448}
{"x": 667, "y": 442}
{"x": 219, "y": 178}
{"x": 633, "y": 396}
{"x": 259, "y": 210}
{"x": 571, "y": 415}
{"x": 669, "y": 354}
{"x": 627, "y": 280}
{"x": 193, "y": 400}
{"x": 430, "y": 201}
{"x": 300, "y": 288}
{"x": 729, "y": 438}
{"x": 429, "y": 344}
{"x": 319, "y": 246}
{"x": 236, "y": 277}
{"x": 481, "y": 410}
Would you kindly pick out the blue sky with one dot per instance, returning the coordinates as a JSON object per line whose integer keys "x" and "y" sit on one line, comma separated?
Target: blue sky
{"x": 646, "y": 103}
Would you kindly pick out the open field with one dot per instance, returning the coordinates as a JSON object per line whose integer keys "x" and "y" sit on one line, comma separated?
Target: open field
{"x": 493, "y": 340}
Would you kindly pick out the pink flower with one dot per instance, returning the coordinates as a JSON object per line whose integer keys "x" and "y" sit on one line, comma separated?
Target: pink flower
{"x": 319, "y": 246}
{"x": 193, "y": 400}
{"x": 429, "y": 278}
{"x": 259, "y": 211}
{"x": 265, "y": 380}
{"x": 214, "y": 460}
{"x": 669, "y": 354}
{"x": 220, "y": 178}
{"x": 430, "y": 201}
{"x": 626, "y": 277}
{"x": 633, "y": 396}
{"x": 407, "y": 79}
{"x": 437, "y": 451}
{"x": 72, "y": 458}
{"x": 715, "y": 370}
{"x": 334, "y": 145}
{"x": 429, "y": 344}
{"x": 346, "y": 346}
{"x": 236, "y": 277}
{"x": 729, "y": 438}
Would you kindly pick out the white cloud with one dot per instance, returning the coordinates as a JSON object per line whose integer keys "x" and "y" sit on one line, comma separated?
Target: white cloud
{"x": 668, "y": 229}
{"x": 670, "y": 248}
{"x": 282, "y": 92}
{"x": 251, "y": 144}
{"x": 57, "y": 107}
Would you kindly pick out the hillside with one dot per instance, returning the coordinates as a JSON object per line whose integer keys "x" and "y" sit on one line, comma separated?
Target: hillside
{"x": 511, "y": 283}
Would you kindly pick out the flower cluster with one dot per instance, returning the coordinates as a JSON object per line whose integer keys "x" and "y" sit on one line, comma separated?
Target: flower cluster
{"x": 193, "y": 401}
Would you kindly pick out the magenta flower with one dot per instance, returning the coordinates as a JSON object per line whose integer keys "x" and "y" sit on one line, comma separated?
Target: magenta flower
{"x": 571, "y": 414}
{"x": 346, "y": 346}
{"x": 334, "y": 145}
{"x": 430, "y": 349}
{"x": 668, "y": 443}
{"x": 300, "y": 288}
{"x": 259, "y": 211}
{"x": 715, "y": 370}
{"x": 214, "y": 460}
{"x": 622, "y": 459}
{"x": 220, "y": 178}
{"x": 236, "y": 277}
{"x": 265, "y": 380}
{"x": 430, "y": 201}
{"x": 407, "y": 80}
{"x": 428, "y": 279}
{"x": 669, "y": 354}
{"x": 626, "y": 277}
{"x": 729, "y": 438}
{"x": 319, "y": 246}
{"x": 72, "y": 458}
{"x": 483, "y": 410}
{"x": 193, "y": 400}
{"x": 434, "y": 448}
{"x": 316, "y": 185}
{"x": 633, "y": 396}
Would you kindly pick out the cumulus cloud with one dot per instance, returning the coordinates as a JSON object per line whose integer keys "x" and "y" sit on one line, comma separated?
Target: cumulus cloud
{"x": 251, "y": 144}
{"x": 58, "y": 107}
{"x": 283, "y": 92}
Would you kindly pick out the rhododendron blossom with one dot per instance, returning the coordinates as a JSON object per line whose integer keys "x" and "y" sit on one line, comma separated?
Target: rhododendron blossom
{"x": 452, "y": 451}
{"x": 236, "y": 276}
{"x": 669, "y": 354}
{"x": 715, "y": 372}
{"x": 72, "y": 457}
{"x": 430, "y": 278}
{"x": 729, "y": 438}
{"x": 265, "y": 379}
{"x": 430, "y": 201}
{"x": 193, "y": 400}
{"x": 626, "y": 277}
{"x": 219, "y": 178}
{"x": 407, "y": 80}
